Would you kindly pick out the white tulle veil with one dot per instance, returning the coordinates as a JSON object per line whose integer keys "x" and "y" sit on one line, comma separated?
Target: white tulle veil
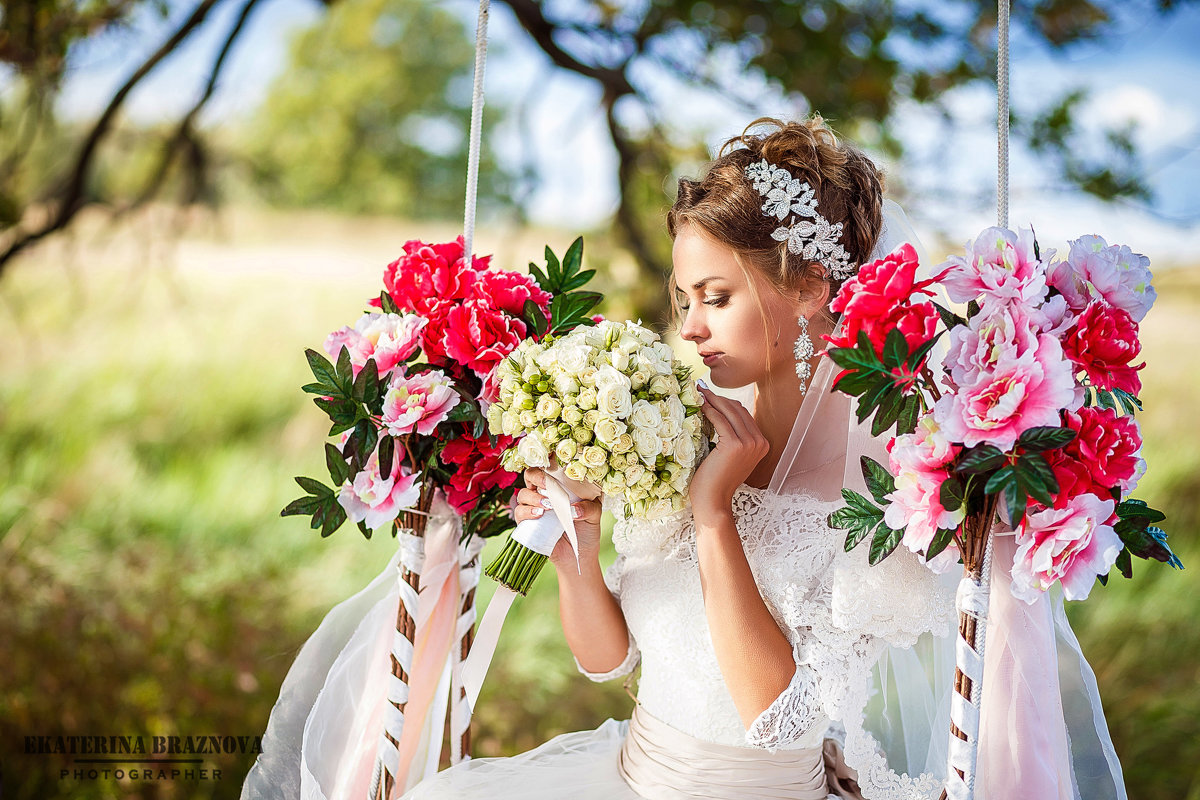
{"x": 1043, "y": 730}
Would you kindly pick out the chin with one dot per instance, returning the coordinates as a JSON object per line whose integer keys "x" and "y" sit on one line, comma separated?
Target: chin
{"x": 724, "y": 378}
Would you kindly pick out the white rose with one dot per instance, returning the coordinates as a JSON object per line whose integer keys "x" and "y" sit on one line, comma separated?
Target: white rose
{"x": 590, "y": 418}
{"x": 613, "y": 484}
{"x": 639, "y": 379}
{"x": 648, "y": 480}
{"x": 510, "y": 423}
{"x": 684, "y": 451}
{"x": 634, "y": 473}
{"x": 566, "y": 450}
{"x": 644, "y": 416}
{"x": 662, "y": 490}
{"x": 597, "y": 474}
{"x": 646, "y": 443}
{"x": 529, "y": 419}
{"x": 694, "y": 424}
{"x": 548, "y": 407}
{"x": 587, "y": 377}
{"x": 646, "y": 335}
{"x": 664, "y": 384}
{"x": 623, "y": 443}
{"x": 628, "y": 343}
{"x": 587, "y": 398}
{"x": 582, "y": 435}
{"x": 573, "y": 358}
{"x": 657, "y": 509}
{"x": 608, "y": 430}
{"x": 572, "y": 415}
{"x": 565, "y": 383}
{"x": 533, "y": 451}
{"x": 594, "y": 457}
{"x": 495, "y": 419}
{"x": 619, "y": 360}
{"x": 576, "y": 471}
{"x": 688, "y": 395}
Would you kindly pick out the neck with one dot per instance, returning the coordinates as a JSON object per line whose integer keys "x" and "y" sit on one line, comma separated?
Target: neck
{"x": 777, "y": 404}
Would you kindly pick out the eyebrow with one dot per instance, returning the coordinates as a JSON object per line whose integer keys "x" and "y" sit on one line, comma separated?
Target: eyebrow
{"x": 700, "y": 283}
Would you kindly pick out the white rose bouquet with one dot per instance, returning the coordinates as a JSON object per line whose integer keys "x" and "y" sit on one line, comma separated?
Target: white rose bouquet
{"x": 604, "y": 409}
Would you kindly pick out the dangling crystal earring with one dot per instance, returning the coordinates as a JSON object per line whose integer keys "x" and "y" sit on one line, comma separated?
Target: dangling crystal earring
{"x": 803, "y": 351}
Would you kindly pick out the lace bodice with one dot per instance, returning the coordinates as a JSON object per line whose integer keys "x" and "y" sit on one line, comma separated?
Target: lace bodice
{"x": 825, "y": 600}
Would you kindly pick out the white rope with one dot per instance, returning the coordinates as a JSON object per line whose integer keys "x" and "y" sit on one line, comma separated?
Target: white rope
{"x": 1002, "y": 114}
{"x": 476, "y": 131}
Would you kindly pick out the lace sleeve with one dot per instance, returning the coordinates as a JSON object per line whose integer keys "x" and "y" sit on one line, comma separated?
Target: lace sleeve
{"x": 612, "y": 579}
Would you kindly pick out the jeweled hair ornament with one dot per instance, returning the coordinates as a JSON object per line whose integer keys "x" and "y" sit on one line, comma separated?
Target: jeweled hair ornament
{"x": 807, "y": 233}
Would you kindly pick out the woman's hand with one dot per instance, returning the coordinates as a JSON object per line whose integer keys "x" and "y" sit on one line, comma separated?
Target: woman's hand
{"x": 532, "y": 504}
{"x": 739, "y": 448}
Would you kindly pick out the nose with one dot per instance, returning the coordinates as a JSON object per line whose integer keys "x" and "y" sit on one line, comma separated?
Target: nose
{"x": 693, "y": 328}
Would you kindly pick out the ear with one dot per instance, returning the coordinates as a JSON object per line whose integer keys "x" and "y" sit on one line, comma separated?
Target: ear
{"x": 815, "y": 298}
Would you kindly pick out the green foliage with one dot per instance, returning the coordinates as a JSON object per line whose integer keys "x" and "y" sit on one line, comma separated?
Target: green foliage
{"x": 569, "y": 307}
{"x": 882, "y": 384}
{"x": 863, "y": 519}
{"x": 371, "y": 115}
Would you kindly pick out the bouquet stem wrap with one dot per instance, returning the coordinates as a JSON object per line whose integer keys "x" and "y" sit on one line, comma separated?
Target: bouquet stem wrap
{"x": 437, "y": 578}
{"x": 972, "y": 604}
{"x": 518, "y": 565}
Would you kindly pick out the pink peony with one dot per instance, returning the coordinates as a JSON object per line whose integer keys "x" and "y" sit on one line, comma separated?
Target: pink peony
{"x": 1005, "y": 334}
{"x": 427, "y": 273}
{"x": 508, "y": 291}
{"x": 387, "y": 338}
{"x": 479, "y": 336}
{"x": 918, "y": 460}
{"x": 883, "y": 295}
{"x": 418, "y": 402}
{"x": 1102, "y": 342}
{"x": 371, "y": 498}
{"x": 476, "y": 468}
{"x": 1072, "y": 545}
{"x": 1109, "y": 446}
{"x": 1096, "y": 270}
{"x": 1000, "y": 269}
{"x": 1019, "y": 391}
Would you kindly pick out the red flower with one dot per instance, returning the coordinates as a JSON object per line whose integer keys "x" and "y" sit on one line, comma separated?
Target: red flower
{"x": 508, "y": 291}
{"x": 478, "y": 469}
{"x": 1103, "y": 341}
{"x": 880, "y": 297}
{"x": 1104, "y": 455}
{"x": 479, "y": 336}
{"x": 427, "y": 273}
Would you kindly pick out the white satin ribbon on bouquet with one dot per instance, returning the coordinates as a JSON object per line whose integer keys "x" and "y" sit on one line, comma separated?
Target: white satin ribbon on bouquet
{"x": 540, "y": 535}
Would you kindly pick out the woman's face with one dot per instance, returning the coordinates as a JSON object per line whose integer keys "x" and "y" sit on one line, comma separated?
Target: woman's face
{"x": 741, "y": 339}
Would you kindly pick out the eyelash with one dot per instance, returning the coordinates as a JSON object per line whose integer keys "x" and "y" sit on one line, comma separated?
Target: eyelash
{"x": 719, "y": 301}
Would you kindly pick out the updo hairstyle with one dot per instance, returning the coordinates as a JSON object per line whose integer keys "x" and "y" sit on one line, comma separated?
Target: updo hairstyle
{"x": 725, "y": 206}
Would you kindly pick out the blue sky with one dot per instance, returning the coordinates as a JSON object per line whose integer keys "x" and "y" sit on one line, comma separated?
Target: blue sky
{"x": 1148, "y": 75}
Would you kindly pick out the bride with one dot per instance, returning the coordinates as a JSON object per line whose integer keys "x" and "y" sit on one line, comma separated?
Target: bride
{"x": 773, "y": 663}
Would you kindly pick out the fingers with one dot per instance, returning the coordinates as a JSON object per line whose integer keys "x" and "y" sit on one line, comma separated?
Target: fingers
{"x": 734, "y": 424}
{"x": 531, "y": 504}
{"x": 586, "y": 511}
{"x": 535, "y": 478}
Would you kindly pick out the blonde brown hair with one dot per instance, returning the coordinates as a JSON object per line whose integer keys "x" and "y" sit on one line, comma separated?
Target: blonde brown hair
{"x": 725, "y": 206}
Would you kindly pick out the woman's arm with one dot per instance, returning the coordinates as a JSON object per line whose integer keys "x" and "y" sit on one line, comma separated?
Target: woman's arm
{"x": 591, "y": 617}
{"x": 754, "y": 655}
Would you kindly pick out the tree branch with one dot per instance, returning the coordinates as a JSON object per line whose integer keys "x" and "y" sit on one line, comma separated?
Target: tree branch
{"x": 69, "y": 199}
{"x": 529, "y": 14}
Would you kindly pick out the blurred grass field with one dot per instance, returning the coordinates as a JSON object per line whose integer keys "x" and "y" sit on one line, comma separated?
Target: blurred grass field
{"x": 151, "y": 422}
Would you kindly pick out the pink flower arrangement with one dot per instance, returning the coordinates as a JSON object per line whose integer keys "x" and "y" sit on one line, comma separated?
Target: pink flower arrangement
{"x": 387, "y": 338}
{"x": 1071, "y": 545}
{"x": 883, "y": 295}
{"x": 418, "y": 402}
{"x": 1022, "y": 414}
{"x": 477, "y": 469}
{"x": 1102, "y": 342}
{"x": 1001, "y": 268}
{"x": 375, "y": 500}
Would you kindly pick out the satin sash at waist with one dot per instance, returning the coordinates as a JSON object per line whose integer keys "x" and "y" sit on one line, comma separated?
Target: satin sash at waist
{"x": 660, "y": 762}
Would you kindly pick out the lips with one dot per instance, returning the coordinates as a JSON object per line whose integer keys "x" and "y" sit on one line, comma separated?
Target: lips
{"x": 709, "y": 357}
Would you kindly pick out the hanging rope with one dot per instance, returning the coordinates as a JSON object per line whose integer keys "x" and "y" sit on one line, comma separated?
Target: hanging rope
{"x": 1002, "y": 114}
{"x": 476, "y": 131}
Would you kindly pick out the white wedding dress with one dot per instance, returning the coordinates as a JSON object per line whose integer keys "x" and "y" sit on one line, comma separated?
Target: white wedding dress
{"x": 838, "y": 613}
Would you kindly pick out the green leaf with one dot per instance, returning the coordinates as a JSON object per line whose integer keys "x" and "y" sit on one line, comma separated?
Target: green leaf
{"x": 335, "y": 462}
{"x": 889, "y": 411}
{"x": 856, "y": 358}
{"x": 895, "y": 349}
{"x": 873, "y": 398}
{"x": 303, "y": 506}
{"x": 1088, "y": 402}
{"x": 318, "y": 388}
{"x": 387, "y": 304}
{"x": 1037, "y": 478}
{"x": 322, "y": 370}
{"x": 343, "y": 413}
{"x": 1105, "y": 399}
{"x": 314, "y": 487}
{"x": 578, "y": 280}
{"x": 880, "y": 482}
{"x": 366, "y": 385}
{"x": 917, "y": 356}
{"x": 859, "y": 517}
{"x": 855, "y": 382}
{"x": 949, "y": 318}
{"x": 362, "y": 527}
{"x": 953, "y": 494}
{"x": 910, "y": 412}
{"x": 532, "y": 314}
{"x": 1129, "y": 403}
{"x": 883, "y": 544}
{"x": 554, "y": 271}
{"x": 335, "y": 515}
{"x": 1037, "y": 440}
{"x": 1134, "y": 509}
{"x": 981, "y": 458}
{"x": 387, "y": 452}
{"x": 538, "y": 275}
{"x": 941, "y": 540}
{"x": 573, "y": 259}
{"x": 1124, "y": 563}
{"x": 1005, "y": 480}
